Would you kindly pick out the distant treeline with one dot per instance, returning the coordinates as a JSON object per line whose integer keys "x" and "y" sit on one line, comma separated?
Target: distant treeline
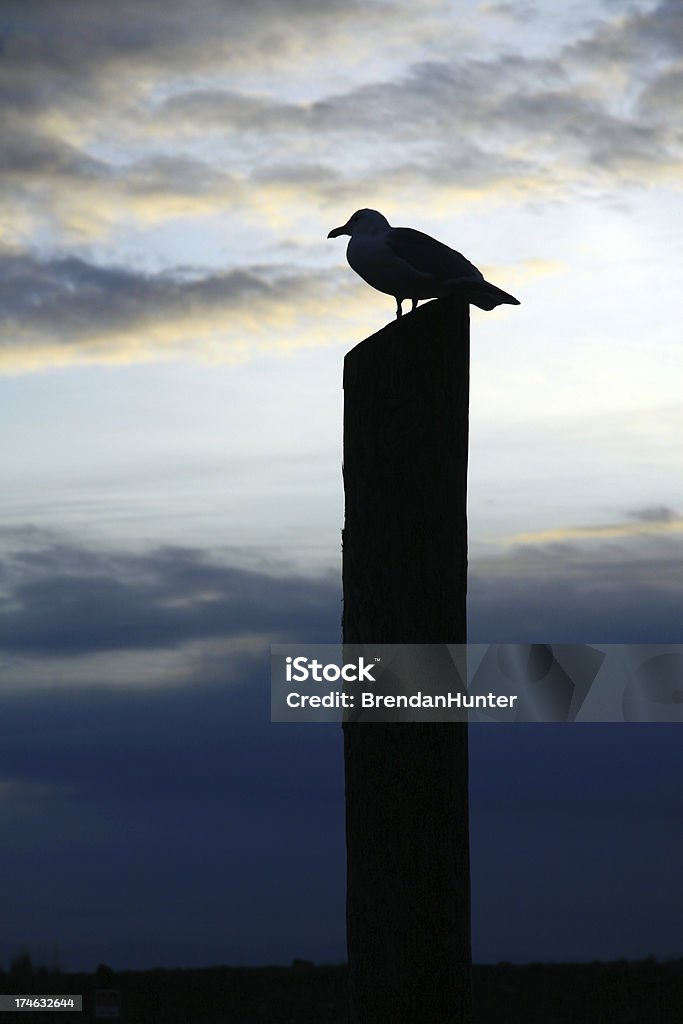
{"x": 622, "y": 992}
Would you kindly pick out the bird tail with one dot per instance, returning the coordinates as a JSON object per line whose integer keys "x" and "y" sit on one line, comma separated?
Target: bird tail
{"x": 484, "y": 295}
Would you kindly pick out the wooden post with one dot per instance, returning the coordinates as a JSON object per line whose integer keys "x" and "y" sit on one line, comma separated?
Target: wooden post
{"x": 406, "y": 400}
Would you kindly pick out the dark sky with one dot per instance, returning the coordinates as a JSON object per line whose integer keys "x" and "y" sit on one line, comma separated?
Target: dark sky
{"x": 174, "y": 824}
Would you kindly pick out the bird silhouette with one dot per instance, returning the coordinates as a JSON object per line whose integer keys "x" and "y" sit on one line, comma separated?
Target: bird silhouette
{"x": 408, "y": 264}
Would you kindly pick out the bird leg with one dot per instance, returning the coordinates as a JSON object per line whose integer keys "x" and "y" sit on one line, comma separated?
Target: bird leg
{"x": 399, "y": 310}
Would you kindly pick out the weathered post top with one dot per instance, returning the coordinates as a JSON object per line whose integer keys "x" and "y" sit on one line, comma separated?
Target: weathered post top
{"x": 406, "y": 414}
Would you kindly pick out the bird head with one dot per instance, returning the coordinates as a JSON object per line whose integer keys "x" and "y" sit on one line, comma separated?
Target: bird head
{"x": 362, "y": 222}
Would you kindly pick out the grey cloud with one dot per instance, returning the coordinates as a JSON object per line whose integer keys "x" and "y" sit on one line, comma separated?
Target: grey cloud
{"x": 317, "y": 175}
{"x": 637, "y": 39}
{"x": 564, "y": 117}
{"x": 33, "y": 165}
{"x": 176, "y": 175}
{"x": 653, "y": 514}
{"x": 100, "y": 70}
{"x": 437, "y": 122}
{"x": 645, "y": 47}
{"x": 454, "y": 123}
{"x": 663, "y": 96}
{"x": 466, "y": 166}
{"x": 83, "y": 45}
{"x": 70, "y": 300}
{"x": 28, "y": 155}
{"x": 531, "y": 101}
{"x": 200, "y": 109}
{"x": 459, "y": 114}
{"x": 515, "y": 11}
{"x": 63, "y": 600}
{"x": 427, "y": 96}
{"x": 609, "y": 592}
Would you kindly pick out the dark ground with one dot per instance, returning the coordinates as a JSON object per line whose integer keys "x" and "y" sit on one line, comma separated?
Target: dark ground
{"x": 643, "y": 992}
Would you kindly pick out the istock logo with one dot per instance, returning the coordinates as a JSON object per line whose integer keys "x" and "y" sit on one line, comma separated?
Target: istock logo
{"x": 300, "y": 669}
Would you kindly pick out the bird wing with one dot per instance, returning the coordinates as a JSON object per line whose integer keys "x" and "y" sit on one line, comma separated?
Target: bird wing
{"x": 429, "y": 256}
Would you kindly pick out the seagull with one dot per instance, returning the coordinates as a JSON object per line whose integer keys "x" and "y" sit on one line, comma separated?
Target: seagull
{"x": 411, "y": 265}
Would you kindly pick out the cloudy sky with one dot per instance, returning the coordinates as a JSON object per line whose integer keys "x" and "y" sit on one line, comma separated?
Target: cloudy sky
{"x": 172, "y": 328}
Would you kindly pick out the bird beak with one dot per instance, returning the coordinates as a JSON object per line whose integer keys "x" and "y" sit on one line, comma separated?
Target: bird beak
{"x": 335, "y": 232}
